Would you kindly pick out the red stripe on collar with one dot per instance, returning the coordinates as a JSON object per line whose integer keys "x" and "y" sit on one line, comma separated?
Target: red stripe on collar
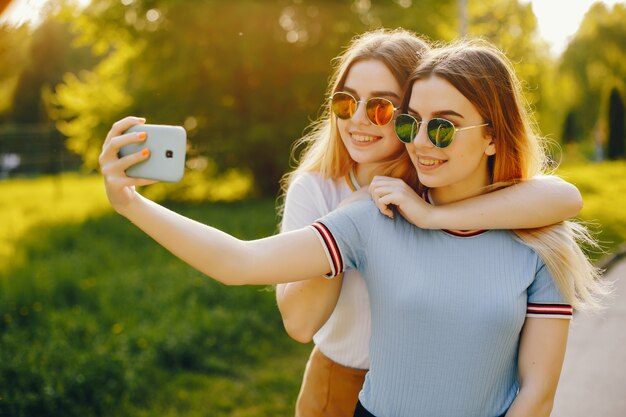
{"x": 458, "y": 233}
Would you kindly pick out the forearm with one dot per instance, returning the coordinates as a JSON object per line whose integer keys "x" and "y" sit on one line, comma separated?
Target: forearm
{"x": 540, "y": 358}
{"x": 283, "y": 258}
{"x": 534, "y": 203}
{"x": 305, "y": 306}
{"x": 207, "y": 249}
{"x": 529, "y": 403}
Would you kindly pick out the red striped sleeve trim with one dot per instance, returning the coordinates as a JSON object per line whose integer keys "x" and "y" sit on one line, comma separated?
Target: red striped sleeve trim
{"x": 332, "y": 248}
{"x": 549, "y": 310}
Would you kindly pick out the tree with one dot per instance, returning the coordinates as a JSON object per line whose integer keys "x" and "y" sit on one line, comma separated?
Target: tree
{"x": 617, "y": 136}
{"x": 570, "y": 128}
{"x": 42, "y": 61}
{"x": 512, "y": 26}
{"x": 246, "y": 85}
{"x": 13, "y": 57}
{"x": 593, "y": 61}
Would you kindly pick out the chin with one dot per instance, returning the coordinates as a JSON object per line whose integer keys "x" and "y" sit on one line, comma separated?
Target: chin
{"x": 429, "y": 182}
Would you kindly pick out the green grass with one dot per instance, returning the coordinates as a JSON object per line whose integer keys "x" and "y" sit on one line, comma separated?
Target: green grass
{"x": 603, "y": 187}
{"x": 27, "y": 205}
{"x": 98, "y": 320}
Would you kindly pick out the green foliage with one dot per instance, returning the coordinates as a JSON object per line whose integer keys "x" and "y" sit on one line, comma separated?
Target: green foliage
{"x": 13, "y": 48}
{"x": 512, "y": 26}
{"x": 594, "y": 63}
{"x": 571, "y": 131}
{"x": 245, "y": 86}
{"x": 617, "y": 131}
{"x": 245, "y": 78}
{"x": 102, "y": 321}
{"x": 85, "y": 106}
{"x": 42, "y": 59}
{"x": 603, "y": 187}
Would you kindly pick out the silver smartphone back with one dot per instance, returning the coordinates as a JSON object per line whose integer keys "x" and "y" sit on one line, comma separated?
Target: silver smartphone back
{"x": 167, "y": 145}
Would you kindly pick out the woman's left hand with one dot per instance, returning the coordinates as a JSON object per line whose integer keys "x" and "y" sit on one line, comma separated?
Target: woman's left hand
{"x": 386, "y": 191}
{"x": 120, "y": 188}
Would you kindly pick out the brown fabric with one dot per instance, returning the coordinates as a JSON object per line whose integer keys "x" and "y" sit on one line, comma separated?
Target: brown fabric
{"x": 328, "y": 388}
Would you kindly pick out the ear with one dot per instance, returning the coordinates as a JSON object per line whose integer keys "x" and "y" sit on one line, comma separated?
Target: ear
{"x": 491, "y": 147}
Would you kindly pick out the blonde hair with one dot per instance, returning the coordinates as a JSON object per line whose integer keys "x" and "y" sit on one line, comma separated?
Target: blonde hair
{"x": 324, "y": 152}
{"x": 484, "y": 75}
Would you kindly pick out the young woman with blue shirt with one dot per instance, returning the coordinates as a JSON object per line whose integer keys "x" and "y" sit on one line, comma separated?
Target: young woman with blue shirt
{"x": 344, "y": 150}
{"x": 461, "y": 325}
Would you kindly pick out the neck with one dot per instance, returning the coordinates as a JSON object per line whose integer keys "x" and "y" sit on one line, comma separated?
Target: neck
{"x": 441, "y": 196}
{"x": 365, "y": 173}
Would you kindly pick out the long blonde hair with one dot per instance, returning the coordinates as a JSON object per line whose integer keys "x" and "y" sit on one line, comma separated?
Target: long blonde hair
{"x": 486, "y": 78}
{"x": 324, "y": 152}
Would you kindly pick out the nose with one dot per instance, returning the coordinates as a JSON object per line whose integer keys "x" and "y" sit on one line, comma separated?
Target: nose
{"x": 360, "y": 115}
{"x": 421, "y": 139}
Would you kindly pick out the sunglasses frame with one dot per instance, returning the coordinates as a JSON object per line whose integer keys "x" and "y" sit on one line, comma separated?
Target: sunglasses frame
{"x": 357, "y": 107}
{"x": 434, "y": 142}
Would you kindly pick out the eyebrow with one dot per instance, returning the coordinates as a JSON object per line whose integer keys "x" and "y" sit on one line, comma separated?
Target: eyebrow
{"x": 374, "y": 93}
{"x": 439, "y": 113}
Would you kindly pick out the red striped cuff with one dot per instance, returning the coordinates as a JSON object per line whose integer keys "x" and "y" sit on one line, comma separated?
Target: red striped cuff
{"x": 330, "y": 246}
{"x": 564, "y": 311}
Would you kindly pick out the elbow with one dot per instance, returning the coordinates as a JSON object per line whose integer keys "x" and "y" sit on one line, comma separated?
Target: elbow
{"x": 572, "y": 199}
{"x": 295, "y": 327}
{"x": 298, "y": 332}
{"x": 576, "y": 202}
{"x": 540, "y": 399}
{"x": 579, "y": 204}
{"x": 293, "y": 323}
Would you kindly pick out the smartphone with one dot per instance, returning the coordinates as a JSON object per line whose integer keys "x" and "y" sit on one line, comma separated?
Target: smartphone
{"x": 167, "y": 145}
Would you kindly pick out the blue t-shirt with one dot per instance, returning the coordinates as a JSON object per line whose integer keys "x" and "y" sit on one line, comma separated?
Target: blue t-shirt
{"x": 447, "y": 311}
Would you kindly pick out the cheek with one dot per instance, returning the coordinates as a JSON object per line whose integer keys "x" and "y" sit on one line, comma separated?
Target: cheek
{"x": 342, "y": 129}
{"x": 409, "y": 148}
{"x": 390, "y": 135}
{"x": 474, "y": 148}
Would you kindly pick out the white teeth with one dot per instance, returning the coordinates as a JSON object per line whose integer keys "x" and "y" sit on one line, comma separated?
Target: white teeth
{"x": 363, "y": 138}
{"x": 430, "y": 162}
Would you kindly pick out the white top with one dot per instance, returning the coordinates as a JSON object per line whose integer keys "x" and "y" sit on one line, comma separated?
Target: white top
{"x": 344, "y": 338}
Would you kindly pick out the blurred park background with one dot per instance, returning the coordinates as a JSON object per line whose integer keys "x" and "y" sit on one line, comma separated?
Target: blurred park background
{"x": 97, "y": 320}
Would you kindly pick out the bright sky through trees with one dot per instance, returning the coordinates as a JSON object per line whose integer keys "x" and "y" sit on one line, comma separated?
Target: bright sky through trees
{"x": 558, "y": 20}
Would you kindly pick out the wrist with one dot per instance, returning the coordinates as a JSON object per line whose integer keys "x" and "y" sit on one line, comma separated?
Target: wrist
{"x": 424, "y": 216}
{"x": 132, "y": 208}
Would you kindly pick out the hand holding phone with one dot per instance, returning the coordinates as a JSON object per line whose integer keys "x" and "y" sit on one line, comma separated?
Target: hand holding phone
{"x": 167, "y": 145}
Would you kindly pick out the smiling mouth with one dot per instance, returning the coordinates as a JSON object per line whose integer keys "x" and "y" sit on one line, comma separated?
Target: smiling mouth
{"x": 430, "y": 162}
{"x": 363, "y": 138}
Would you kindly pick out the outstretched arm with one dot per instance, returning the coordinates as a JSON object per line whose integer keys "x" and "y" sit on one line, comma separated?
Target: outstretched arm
{"x": 537, "y": 202}
{"x": 287, "y": 257}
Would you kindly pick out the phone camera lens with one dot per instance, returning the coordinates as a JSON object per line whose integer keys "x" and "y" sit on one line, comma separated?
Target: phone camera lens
{"x": 169, "y": 154}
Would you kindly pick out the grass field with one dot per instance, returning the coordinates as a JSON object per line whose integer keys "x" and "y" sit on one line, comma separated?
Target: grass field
{"x": 98, "y": 320}
{"x": 603, "y": 187}
{"x": 28, "y": 205}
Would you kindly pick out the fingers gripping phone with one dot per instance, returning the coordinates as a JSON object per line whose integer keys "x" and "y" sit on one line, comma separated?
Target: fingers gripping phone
{"x": 167, "y": 145}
